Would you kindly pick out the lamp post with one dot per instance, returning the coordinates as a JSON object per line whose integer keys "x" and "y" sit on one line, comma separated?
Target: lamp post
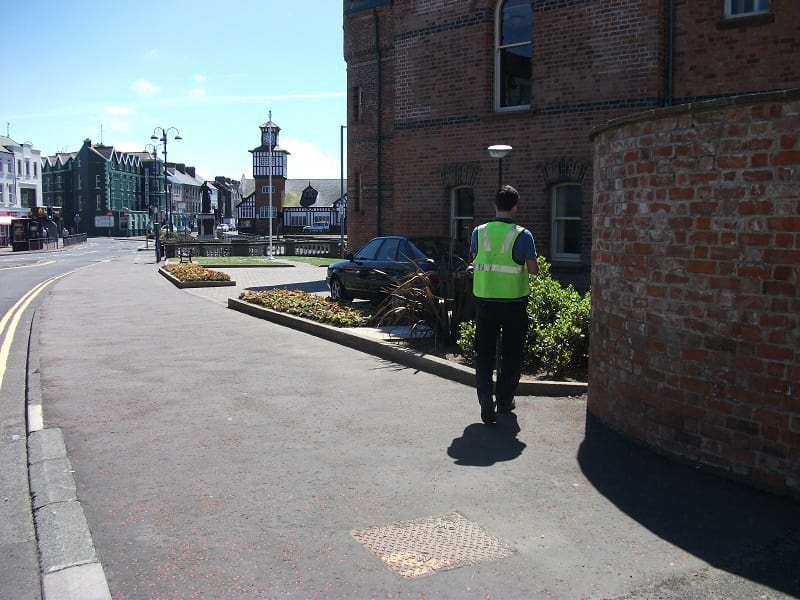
{"x": 499, "y": 152}
{"x": 343, "y": 204}
{"x": 162, "y": 135}
{"x": 153, "y": 150}
{"x": 271, "y": 168}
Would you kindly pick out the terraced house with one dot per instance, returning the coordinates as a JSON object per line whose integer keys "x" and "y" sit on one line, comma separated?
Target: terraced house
{"x": 433, "y": 83}
{"x": 102, "y": 191}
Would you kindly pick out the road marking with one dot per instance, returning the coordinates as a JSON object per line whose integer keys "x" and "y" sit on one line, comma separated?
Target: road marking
{"x": 49, "y": 262}
{"x": 13, "y": 316}
{"x": 35, "y": 419}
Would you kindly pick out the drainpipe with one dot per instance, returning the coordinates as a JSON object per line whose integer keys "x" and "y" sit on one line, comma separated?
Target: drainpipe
{"x": 669, "y": 53}
{"x": 380, "y": 116}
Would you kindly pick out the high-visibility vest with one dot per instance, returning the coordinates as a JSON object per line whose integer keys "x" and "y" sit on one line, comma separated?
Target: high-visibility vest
{"x": 496, "y": 274}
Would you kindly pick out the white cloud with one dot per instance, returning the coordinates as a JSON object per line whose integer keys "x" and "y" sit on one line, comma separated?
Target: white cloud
{"x": 128, "y": 146}
{"x": 200, "y": 78}
{"x": 119, "y": 111}
{"x": 197, "y": 92}
{"x": 120, "y": 125}
{"x": 308, "y": 161}
{"x": 145, "y": 88}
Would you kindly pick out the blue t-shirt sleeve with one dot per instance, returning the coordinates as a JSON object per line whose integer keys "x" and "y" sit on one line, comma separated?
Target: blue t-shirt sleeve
{"x": 524, "y": 248}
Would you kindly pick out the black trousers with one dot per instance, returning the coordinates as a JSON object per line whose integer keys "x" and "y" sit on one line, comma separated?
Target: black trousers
{"x": 493, "y": 319}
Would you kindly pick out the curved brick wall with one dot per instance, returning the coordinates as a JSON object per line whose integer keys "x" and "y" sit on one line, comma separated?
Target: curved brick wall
{"x": 695, "y": 347}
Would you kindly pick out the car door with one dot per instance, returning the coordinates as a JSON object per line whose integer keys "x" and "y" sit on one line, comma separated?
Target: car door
{"x": 355, "y": 275}
{"x": 385, "y": 268}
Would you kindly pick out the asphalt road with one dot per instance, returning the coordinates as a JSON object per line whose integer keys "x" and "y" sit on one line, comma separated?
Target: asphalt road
{"x": 20, "y": 273}
{"x": 219, "y": 456}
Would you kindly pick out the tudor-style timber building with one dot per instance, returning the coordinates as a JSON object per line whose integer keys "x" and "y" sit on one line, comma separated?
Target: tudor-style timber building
{"x": 269, "y": 166}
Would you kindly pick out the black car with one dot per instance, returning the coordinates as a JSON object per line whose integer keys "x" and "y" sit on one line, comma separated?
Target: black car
{"x": 370, "y": 272}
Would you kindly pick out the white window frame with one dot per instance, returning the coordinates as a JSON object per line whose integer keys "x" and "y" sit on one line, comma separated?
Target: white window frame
{"x": 562, "y": 256}
{"x": 498, "y": 22}
{"x": 247, "y": 211}
{"x": 265, "y": 189}
{"x": 263, "y": 212}
{"x": 729, "y": 14}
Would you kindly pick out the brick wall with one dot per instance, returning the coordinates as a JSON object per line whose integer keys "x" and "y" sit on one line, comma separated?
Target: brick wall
{"x": 438, "y": 107}
{"x": 718, "y": 57}
{"x": 696, "y": 284}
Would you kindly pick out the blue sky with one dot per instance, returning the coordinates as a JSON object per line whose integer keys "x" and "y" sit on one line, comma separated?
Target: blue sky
{"x": 212, "y": 69}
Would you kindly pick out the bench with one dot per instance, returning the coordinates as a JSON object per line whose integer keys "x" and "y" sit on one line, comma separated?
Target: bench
{"x": 185, "y": 253}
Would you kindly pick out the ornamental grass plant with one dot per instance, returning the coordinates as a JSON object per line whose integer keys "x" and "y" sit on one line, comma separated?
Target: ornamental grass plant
{"x": 192, "y": 272}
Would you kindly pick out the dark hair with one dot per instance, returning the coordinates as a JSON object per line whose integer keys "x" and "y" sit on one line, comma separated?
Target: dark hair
{"x": 507, "y": 198}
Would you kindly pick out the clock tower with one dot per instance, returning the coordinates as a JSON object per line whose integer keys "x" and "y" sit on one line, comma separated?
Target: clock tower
{"x": 269, "y": 172}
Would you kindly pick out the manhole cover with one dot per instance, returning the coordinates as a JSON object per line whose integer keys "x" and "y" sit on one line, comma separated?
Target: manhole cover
{"x": 433, "y": 544}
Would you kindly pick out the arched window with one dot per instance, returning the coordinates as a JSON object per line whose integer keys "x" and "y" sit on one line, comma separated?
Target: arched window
{"x": 462, "y": 214}
{"x": 513, "y": 54}
{"x": 567, "y": 228}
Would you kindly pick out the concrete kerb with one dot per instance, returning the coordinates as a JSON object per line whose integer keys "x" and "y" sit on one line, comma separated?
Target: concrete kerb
{"x": 67, "y": 558}
{"x": 389, "y": 351}
{"x": 193, "y": 284}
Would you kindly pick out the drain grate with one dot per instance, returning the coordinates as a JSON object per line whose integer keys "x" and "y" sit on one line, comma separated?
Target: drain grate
{"x": 430, "y": 545}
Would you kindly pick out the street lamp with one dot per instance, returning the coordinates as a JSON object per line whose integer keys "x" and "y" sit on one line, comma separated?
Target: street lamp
{"x": 499, "y": 152}
{"x": 155, "y": 219}
{"x": 162, "y": 135}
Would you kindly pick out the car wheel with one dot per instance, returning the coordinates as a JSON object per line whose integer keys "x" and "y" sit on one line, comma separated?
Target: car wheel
{"x": 338, "y": 292}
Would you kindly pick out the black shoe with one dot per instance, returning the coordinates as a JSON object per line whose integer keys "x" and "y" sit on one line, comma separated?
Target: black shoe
{"x": 506, "y": 407}
{"x": 487, "y": 410}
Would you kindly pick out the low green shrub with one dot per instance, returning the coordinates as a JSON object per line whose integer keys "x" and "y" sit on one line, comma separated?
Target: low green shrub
{"x": 558, "y": 331}
{"x": 192, "y": 272}
{"x": 309, "y": 306}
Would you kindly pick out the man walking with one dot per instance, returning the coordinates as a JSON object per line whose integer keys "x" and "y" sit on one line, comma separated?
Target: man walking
{"x": 505, "y": 254}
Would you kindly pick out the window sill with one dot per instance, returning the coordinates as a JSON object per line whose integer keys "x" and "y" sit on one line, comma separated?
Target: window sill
{"x": 746, "y": 21}
{"x": 507, "y": 114}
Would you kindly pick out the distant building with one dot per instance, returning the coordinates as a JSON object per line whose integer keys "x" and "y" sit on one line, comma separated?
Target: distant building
{"x": 296, "y": 202}
{"x": 101, "y": 190}
{"x": 310, "y": 201}
{"x": 20, "y": 179}
{"x": 229, "y": 197}
{"x": 269, "y": 168}
{"x": 185, "y": 193}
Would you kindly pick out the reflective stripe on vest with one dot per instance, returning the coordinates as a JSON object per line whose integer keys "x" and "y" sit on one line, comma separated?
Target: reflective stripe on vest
{"x": 498, "y": 268}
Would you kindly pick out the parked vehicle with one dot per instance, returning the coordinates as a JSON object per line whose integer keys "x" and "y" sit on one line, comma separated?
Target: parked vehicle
{"x": 318, "y": 227}
{"x": 370, "y": 272}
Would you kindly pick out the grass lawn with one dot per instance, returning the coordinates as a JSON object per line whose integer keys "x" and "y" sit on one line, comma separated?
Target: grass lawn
{"x": 313, "y": 260}
{"x": 222, "y": 261}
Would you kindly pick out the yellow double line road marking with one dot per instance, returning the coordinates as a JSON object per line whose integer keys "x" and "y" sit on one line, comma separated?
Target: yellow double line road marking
{"x": 13, "y": 316}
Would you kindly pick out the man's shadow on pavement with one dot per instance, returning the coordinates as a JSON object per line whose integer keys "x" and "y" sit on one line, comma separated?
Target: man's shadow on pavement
{"x": 484, "y": 445}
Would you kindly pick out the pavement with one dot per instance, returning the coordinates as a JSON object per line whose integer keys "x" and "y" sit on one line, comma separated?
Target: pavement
{"x": 220, "y": 456}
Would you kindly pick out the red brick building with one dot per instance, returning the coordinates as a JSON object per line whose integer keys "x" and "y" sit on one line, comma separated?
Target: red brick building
{"x": 432, "y": 83}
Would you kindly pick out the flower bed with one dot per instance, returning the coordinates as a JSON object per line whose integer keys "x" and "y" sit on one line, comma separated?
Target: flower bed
{"x": 194, "y": 273}
{"x": 309, "y": 306}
